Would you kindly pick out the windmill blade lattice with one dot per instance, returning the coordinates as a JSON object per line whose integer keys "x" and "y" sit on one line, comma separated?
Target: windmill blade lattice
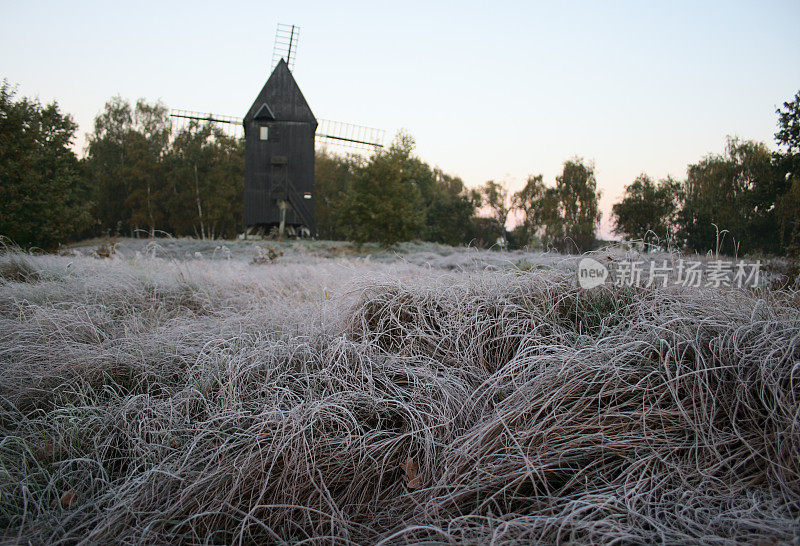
{"x": 347, "y": 135}
{"x": 229, "y": 125}
{"x": 329, "y": 133}
{"x": 286, "y": 40}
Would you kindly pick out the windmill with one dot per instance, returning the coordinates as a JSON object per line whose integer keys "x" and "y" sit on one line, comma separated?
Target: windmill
{"x": 280, "y": 131}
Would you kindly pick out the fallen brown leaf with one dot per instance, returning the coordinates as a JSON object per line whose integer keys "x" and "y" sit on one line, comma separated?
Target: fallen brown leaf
{"x": 68, "y": 498}
{"x": 412, "y": 478}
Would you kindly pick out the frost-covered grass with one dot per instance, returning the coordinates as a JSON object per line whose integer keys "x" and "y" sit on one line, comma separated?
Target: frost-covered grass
{"x": 309, "y": 252}
{"x": 421, "y": 394}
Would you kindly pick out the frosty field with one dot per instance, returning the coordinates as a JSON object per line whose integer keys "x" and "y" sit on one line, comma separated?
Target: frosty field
{"x": 213, "y": 393}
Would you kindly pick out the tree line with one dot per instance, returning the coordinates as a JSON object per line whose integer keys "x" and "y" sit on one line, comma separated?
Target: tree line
{"x": 395, "y": 196}
{"x": 745, "y": 199}
{"x": 144, "y": 179}
{"x": 136, "y": 177}
{"x": 139, "y": 178}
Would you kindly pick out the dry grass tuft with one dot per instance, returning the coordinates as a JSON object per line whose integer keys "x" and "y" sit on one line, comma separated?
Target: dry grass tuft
{"x": 152, "y": 400}
{"x": 17, "y": 267}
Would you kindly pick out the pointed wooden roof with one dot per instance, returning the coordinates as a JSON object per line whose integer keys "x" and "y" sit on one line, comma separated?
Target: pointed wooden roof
{"x": 280, "y": 99}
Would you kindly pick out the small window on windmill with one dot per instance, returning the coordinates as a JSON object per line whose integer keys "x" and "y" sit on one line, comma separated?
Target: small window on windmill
{"x": 264, "y": 133}
{"x": 307, "y": 195}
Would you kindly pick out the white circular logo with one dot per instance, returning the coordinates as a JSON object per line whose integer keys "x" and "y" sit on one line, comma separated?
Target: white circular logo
{"x": 591, "y": 273}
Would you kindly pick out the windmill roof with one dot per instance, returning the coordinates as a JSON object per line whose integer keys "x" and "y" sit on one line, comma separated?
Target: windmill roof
{"x": 282, "y": 97}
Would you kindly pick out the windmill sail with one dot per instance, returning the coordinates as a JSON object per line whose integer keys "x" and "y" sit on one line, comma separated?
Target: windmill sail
{"x": 286, "y": 40}
{"x": 334, "y": 134}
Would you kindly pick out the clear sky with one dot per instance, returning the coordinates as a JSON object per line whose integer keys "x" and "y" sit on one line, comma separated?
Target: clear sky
{"x": 490, "y": 90}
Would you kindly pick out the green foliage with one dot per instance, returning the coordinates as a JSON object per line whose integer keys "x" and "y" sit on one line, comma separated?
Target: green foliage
{"x": 126, "y": 163}
{"x": 333, "y": 175}
{"x": 446, "y": 205}
{"x": 145, "y": 170}
{"x": 528, "y": 200}
{"x": 744, "y": 200}
{"x": 449, "y": 211}
{"x": 484, "y": 232}
{"x": 44, "y": 199}
{"x": 577, "y": 191}
{"x": 735, "y": 192}
{"x": 106, "y": 162}
{"x": 647, "y": 208}
{"x": 363, "y": 200}
{"x": 191, "y": 185}
{"x": 564, "y": 217}
{"x": 489, "y": 231}
{"x": 539, "y": 206}
{"x": 788, "y": 134}
{"x": 787, "y": 164}
{"x": 787, "y": 215}
{"x": 384, "y": 204}
{"x": 518, "y": 238}
{"x": 495, "y": 196}
{"x": 205, "y": 183}
{"x": 553, "y": 219}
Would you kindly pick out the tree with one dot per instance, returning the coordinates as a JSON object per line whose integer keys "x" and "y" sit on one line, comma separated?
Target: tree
{"x": 205, "y": 183}
{"x": 565, "y": 216}
{"x": 445, "y": 207}
{"x": 224, "y": 186}
{"x": 787, "y": 164}
{"x": 383, "y": 203}
{"x": 43, "y": 197}
{"x": 333, "y": 175}
{"x": 578, "y": 196}
{"x": 449, "y": 211}
{"x": 554, "y": 234}
{"x": 145, "y": 171}
{"x": 647, "y": 208}
{"x": 787, "y": 211}
{"x": 109, "y": 147}
{"x": 191, "y": 185}
{"x": 529, "y": 201}
{"x": 126, "y": 161}
{"x": 484, "y": 232}
{"x": 736, "y": 193}
{"x": 788, "y": 134}
{"x": 495, "y": 196}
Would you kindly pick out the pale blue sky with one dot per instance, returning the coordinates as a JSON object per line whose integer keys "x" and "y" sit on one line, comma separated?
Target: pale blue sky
{"x": 489, "y": 90}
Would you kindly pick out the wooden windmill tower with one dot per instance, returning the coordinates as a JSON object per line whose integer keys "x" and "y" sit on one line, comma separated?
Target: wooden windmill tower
{"x": 280, "y": 131}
